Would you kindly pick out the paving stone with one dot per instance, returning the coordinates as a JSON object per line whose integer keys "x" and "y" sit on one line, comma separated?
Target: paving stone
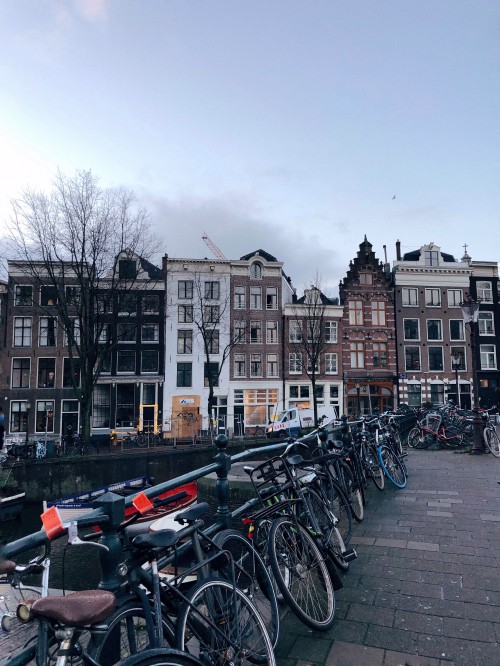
{"x": 400, "y": 659}
{"x": 391, "y": 543}
{"x": 347, "y": 654}
{"x": 371, "y": 615}
{"x": 417, "y": 545}
{"x": 440, "y": 503}
{"x": 490, "y": 517}
{"x": 367, "y": 541}
{"x": 441, "y": 514}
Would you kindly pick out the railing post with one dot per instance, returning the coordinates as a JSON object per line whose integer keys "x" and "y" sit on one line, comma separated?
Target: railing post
{"x": 223, "y": 513}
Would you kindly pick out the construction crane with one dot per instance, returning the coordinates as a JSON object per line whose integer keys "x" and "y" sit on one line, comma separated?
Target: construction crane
{"x": 215, "y": 250}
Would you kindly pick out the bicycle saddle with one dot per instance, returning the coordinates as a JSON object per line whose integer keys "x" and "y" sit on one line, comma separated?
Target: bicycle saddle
{"x": 76, "y": 609}
{"x": 151, "y": 540}
{"x": 193, "y": 513}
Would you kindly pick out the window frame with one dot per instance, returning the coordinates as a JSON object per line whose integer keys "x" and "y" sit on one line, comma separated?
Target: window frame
{"x": 186, "y": 373}
{"x": 454, "y": 293}
{"x": 484, "y": 353}
{"x": 356, "y": 313}
{"x": 430, "y": 293}
{"x": 406, "y": 294}
{"x": 185, "y": 290}
{"x": 295, "y": 366}
{"x": 331, "y": 331}
{"x": 411, "y": 319}
{"x": 461, "y": 326}
{"x": 357, "y": 355}
{"x": 120, "y": 354}
{"x": 434, "y": 355}
{"x": 379, "y": 314}
{"x": 429, "y": 322}
{"x": 486, "y": 316}
{"x": 20, "y": 372}
{"x": 331, "y": 361}
{"x": 484, "y": 291}
{"x": 407, "y": 349}
{"x": 41, "y": 372}
{"x": 255, "y": 298}
{"x": 184, "y": 341}
{"x": 240, "y": 300}
{"x": 271, "y": 298}
{"x": 26, "y": 331}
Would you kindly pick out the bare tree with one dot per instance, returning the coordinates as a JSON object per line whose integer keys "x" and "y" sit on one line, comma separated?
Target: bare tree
{"x": 81, "y": 242}
{"x": 307, "y": 334}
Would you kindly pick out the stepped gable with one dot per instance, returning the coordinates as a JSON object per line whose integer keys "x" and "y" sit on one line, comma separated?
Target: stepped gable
{"x": 365, "y": 259}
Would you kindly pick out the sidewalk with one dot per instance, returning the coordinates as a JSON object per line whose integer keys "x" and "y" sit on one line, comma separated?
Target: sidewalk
{"x": 425, "y": 589}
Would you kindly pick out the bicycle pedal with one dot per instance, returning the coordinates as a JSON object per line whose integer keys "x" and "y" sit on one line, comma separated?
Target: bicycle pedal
{"x": 349, "y": 555}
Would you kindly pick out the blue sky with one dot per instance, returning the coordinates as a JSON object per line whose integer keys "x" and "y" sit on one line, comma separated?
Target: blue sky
{"x": 287, "y": 125}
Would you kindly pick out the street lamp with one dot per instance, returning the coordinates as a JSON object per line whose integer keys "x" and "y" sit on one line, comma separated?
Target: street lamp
{"x": 358, "y": 397}
{"x": 455, "y": 364}
{"x": 470, "y": 311}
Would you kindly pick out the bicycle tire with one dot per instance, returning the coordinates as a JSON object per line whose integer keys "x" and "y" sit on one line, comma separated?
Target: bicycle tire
{"x": 261, "y": 541}
{"x": 141, "y": 440}
{"x": 220, "y": 603}
{"x": 331, "y": 538}
{"x": 128, "y": 626}
{"x": 338, "y": 503}
{"x": 251, "y": 576}
{"x": 376, "y": 471}
{"x": 302, "y": 573}
{"x": 417, "y": 440}
{"x": 392, "y": 467}
{"x": 492, "y": 441}
{"x": 161, "y": 657}
{"x": 353, "y": 491}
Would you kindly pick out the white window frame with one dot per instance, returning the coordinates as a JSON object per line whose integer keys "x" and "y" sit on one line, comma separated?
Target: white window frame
{"x": 356, "y": 315}
{"x": 331, "y": 331}
{"x": 295, "y": 331}
{"x": 255, "y": 298}
{"x": 256, "y": 358}
{"x": 488, "y": 356}
{"x": 156, "y": 332}
{"x": 331, "y": 363}
{"x": 379, "y": 313}
{"x": 418, "y": 329}
{"x": 272, "y": 365}
{"x": 26, "y": 329}
{"x": 256, "y": 338}
{"x": 271, "y": 298}
{"x": 240, "y": 365}
{"x": 357, "y": 355}
{"x": 419, "y": 369}
{"x": 429, "y": 358}
{"x": 272, "y": 332}
{"x": 44, "y": 335}
{"x": 295, "y": 363}
{"x": 482, "y": 319}
{"x": 484, "y": 291}
{"x": 406, "y": 297}
{"x": 455, "y": 297}
{"x": 430, "y": 297}
{"x": 462, "y": 330}
{"x": 240, "y": 300}
{"x": 440, "y": 339}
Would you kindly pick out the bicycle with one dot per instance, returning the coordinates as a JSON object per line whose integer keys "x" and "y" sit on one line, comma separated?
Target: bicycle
{"x": 491, "y": 439}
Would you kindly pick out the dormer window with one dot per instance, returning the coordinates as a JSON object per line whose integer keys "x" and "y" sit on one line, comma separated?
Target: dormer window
{"x": 256, "y": 270}
{"x": 127, "y": 269}
{"x": 431, "y": 258}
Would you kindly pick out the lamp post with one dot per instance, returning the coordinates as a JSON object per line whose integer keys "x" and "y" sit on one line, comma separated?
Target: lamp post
{"x": 455, "y": 364}
{"x": 470, "y": 311}
{"x": 358, "y": 397}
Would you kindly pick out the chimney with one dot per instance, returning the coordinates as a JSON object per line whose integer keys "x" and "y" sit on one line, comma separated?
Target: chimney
{"x": 398, "y": 250}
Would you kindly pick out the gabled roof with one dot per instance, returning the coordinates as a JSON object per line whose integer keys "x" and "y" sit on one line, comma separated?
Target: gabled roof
{"x": 260, "y": 253}
{"x": 415, "y": 256}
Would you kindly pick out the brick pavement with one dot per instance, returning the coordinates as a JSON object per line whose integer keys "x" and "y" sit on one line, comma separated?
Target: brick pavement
{"x": 425, "y": 589}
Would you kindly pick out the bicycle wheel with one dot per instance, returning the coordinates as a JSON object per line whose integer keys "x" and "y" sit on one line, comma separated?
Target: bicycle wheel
{"x": 141, "y": 439}
{"x": 492, "y": 441}
{"x": 251, "y": 576}
{"x": 331, "y": 537}
{"x": 219, "y": 625}
{"x": 418, "y": 440}
{"x": 301, "y": 573}
{"x": 261, "y": 541}
{"x": 353, "y": 492}
{"x": 338, "y": 504}
{"x": 392, "y": 467}
{"x": 162, "y": 657}
{"x": 126, "y": 635}
{"x": 374, "y": 469}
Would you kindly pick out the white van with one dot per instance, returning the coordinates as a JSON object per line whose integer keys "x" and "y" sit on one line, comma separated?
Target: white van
{"x": 292, "y": 422}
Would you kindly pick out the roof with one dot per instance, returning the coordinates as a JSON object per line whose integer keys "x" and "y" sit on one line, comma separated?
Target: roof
{"x": 260, "y": 253}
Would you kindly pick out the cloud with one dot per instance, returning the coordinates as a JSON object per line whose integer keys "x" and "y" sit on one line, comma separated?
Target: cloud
{"x": 93, "y": 11}
{"x": 237, "y": 226}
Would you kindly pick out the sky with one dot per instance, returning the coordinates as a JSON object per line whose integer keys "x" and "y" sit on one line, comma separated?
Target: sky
{"x": 295, "y": 126}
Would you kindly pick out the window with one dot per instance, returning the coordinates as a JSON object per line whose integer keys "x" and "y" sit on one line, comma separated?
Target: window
{"x": 125, "y": 405}
{"x": 310, "y": 369}
{"x": 240, "y": 332}
{"x": 184, "y": 342}
{"x": 47, "y": 332}
{"x": 105, "y": 334}
{"x": 460, "y": 352}
{"x": 73, "y": 296}
{"x": 320, "y": 393}
{"x": 125, "y": 361}
{"x": 74, "y": 333}
{"x": 431, "y": 258}
{"x": 20, "y": 373}
{"x": 211, "y": 314}
{"x": 295, "y": 332}
{"x": 356, "y": 313}
{"x": 409, "y": 296}
{"x": 334, "y": 394}
{"x": 255, "y": 298}
{"x": 101, "y": 406}
{"x": 240, "y": 298}
{"x": 357, "y": 355}
{"x": 433, "y": 297}
{"x": 44, "y": 416}
{"x": 185, "y": 289}
{"x": 414, "y": 395}
{"x": 412, "y": 358}
{"x": 272, "y": 365}
{"x": 255, "y": 331}
{"x": 437, "y": 394}
{"x": 378, "y": 313}
{"x": 313, "y": 327}
{"x": 149, "y": 361}
{"x": 271, "y": 332}
{"x": 48, "y": 296}
{"x": 331, "y": 331}
{"x": 23, "y": 294}
{"x": 150, "y": 332}
{"x": 126, "y": 332}
{"x": 212, "y": 291}
{"x": 411, "y": 329}
{"x": 185, "y": 314}
{"x": 22, "y": 331}
{"x": 455, "y": 297}
{"x": 379, "y": 355}
{"x": 271, "y": 298}
{"x": 127, "y": 269}
{"x": 331, "y": 364}
{"x": 212, "y": 340}
{"x": 256, "y": 270}
{"x": 184, "y": 374}
{"x": 457, "y": 329}
{"x": 488, "y": 357}
{"x": 295, "y": 363}
{"x": 211, "y": 370}
{"x": 127, "y": 303}
{"x": 71, "y": 372}
{"x": 434, "y": 329}
{"x": 240, "y": 366}
{"x": 255, "y": 365}
{"x": 299, "y": 392}
{"x": 436, "y": 358}
{"x": 484, "y": 292}
{"x": 486, "y": 325}
{"x": 46, "y": 372}
{"x": 151, "y": 304}
{"x": 365, "y": 278}
{"x": 105, "y": 362}
{"x": 18, "y": 416}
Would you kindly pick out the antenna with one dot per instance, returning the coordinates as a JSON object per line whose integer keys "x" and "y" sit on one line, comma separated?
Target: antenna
{"x": 215, "y": 250}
